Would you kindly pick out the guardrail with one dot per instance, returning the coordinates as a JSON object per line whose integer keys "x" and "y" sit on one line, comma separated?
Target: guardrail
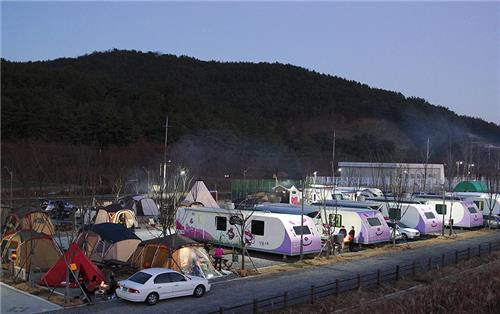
{"x": 376, "y": 278}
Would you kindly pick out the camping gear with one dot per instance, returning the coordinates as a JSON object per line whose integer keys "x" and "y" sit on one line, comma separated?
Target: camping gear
{"x": 28, "y": 219}
{"x": 31, "y": 249}
{"x": 107, "y": 243}
{"x": 471, "y": 186}
{"x": 84, "y": 269}
{"x": 114, "y": 213}
{"x": 188, "y": 256}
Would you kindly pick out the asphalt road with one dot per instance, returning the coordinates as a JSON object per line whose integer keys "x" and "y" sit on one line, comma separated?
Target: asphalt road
{"x": 243, "y": 290}
{"x": 15, "y": 301}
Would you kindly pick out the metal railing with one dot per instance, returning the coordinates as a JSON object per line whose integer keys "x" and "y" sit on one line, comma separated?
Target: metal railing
{"x": 375, "y": 278}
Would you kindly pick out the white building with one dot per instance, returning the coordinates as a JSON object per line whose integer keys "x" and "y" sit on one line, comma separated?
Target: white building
{"x": 415, "y": 176}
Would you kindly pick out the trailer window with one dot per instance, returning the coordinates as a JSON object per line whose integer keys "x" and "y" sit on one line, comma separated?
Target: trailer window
{"x": 441, "y": 209}
{"x": 221, "y": 223}
{"x": 258, "y": 227}
{"x": 305, "y": 230}
{"x": 429, "y": 215}
{"x": 479, "y": 204}
{"x": 335, "y": 220}
{"x": 373, "y": 221}
{"x": 472, "y": 210}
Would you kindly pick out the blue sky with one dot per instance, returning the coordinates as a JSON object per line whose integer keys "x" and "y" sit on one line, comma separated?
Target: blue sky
{"x": 447, "y": 52}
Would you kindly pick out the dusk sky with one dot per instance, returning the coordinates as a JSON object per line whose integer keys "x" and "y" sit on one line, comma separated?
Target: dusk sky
{"x": 447, "y": 53}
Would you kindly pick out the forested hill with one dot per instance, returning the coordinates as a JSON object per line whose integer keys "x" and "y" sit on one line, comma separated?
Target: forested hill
{"x": 118, "y": 97}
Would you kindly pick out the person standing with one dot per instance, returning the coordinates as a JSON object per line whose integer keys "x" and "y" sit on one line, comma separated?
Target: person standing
{"x": 219, "y": 252}
{"x": 343, "y": 232}
{"x": 352, "y": 233}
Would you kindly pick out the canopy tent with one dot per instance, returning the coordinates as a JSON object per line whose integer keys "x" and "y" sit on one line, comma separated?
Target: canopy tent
{"x": 107, "y": 243}
{"x": 85, "y": 269}
{"x": 32, "y": 249}
{"x": 471, "y": 186}
{"x": 28, "y": 219}
{"x": 200, "y": 193}
{"x": 141, "y": 205}
{"x": 114, "y": 213}
{"x": 188, "y": 256}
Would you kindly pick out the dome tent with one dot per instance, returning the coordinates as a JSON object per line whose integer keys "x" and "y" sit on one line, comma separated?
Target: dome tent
{"x": 32, "y": 249}
{"x": 28, "y": 219}
{"x": 107, "y": 243}
{"x": 188, "y": 256}
{"x": 114, "y": 213}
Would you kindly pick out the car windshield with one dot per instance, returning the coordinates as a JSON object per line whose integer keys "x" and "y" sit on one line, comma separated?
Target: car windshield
{"x": 140, "y": 277}
{"x": 402, "y": 225}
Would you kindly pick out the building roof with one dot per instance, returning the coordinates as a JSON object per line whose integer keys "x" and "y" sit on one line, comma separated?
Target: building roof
{"x": 388, "y": 165}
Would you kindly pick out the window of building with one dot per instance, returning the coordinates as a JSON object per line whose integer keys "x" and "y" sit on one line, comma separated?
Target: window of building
{"x": 221, "y": 223}
{"x": 258, "y": 227}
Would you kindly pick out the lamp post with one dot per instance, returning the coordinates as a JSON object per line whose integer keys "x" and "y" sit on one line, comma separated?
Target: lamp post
{"x": 458, "y": 163}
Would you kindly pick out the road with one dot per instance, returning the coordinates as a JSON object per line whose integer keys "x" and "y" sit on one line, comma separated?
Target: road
{"x": 243, "y": 290}
{"x": 16, "y": 301}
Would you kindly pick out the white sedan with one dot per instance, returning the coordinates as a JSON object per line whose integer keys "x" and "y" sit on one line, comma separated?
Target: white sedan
{"x": 153, "y": 284}
{"x": 405, "y": 231}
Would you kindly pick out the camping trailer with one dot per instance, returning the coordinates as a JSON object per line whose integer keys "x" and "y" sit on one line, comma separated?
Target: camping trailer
{"x": 188, "y": 256}
{"x": 483, "y": 201}
{"x": 369, "y": 224}
{"x": 414, "y": 214}
{"x": 266, "y": 232}
{"x": 464, "y": 214}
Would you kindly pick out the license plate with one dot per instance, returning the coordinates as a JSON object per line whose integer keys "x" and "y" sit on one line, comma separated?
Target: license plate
{"x": 124, "y": 289}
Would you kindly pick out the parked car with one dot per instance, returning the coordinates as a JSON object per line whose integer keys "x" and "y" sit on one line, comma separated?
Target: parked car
{"x": 153, "y": 284}
{"x": 493, "y": 221}
{"x": 58, "y": 207}
{"x": 405, "y": 231}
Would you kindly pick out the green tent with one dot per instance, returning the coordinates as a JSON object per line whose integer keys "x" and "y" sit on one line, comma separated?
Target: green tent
{"x": 471, "y": 186}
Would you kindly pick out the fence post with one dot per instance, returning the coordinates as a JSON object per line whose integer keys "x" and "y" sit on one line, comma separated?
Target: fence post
{"x": 378, "y": 277}
{"x": 397, "y": 272}
{"x": 359, "y": 281}
{"x": 414, "y": 269}
{"x": 429, "y": 263}
{"x": 285, "y": 299}
{"x": 221, "y": 310}
{"x": 312, "y": 294}
{"x": 336, "y": 287}
{"x": 479, "y": 250}
{"x": 456, "y": 257}
{"x": 443, "y": 256}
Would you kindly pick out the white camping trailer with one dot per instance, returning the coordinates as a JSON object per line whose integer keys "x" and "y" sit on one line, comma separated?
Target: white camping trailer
{"x": 414, "y": 214}
{"x": 483, "y": 201}
{"x": 369, "y": 225}
{"x": 266, "y": 232}
{"x": 464, "y": 214}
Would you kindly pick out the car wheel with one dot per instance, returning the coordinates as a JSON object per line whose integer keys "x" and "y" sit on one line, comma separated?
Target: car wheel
{"x": 199, "y": 291}
{"x": 152, "y": 298}
{"x": 404, "y": 237}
